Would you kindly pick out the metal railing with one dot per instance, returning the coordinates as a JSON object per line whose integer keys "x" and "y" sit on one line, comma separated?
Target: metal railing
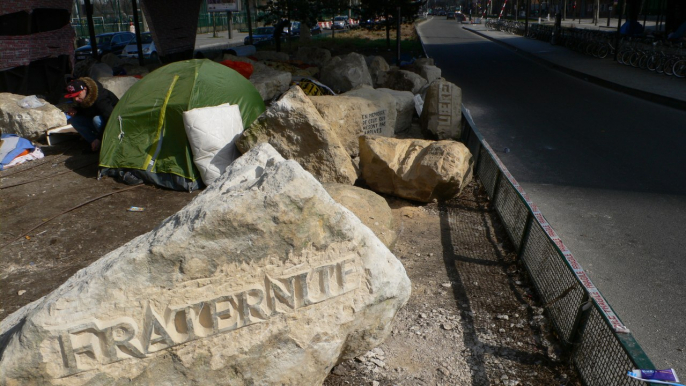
{"x": 601, "y": 348}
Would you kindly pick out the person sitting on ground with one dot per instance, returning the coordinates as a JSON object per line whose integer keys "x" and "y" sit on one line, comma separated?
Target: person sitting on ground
{"x": 93, "y": 105}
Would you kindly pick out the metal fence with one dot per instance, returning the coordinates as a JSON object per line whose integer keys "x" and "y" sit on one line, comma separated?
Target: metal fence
{"x": 207, "y": 23}
{"x": 601, "y": 348}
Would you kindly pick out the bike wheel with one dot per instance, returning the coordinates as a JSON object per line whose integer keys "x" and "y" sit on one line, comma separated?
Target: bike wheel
{"x": 679, "y": 68}
{"x": 633, "y": 60}
{"x": 652, "y": 62}
{"x": 643, "y": 62}
{"x": 603, "y": 51}
{"x": 669, "y": 67}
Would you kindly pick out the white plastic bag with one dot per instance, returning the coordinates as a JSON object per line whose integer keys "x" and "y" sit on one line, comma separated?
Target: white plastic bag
{"x": 30, "y": 102}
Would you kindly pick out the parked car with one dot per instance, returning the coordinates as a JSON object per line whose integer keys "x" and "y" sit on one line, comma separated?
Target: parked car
{"x": 340, "y": 22}
{"x": 295, "y": 29}
{"x": 450, "y": 15}
{"x": 147, "y": 44}
{"x": 111, "y": 42}
{"x": 261, "y": 35}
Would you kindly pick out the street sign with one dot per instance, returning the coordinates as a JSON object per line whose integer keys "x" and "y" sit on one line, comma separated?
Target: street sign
{"x": 223, "y": 5}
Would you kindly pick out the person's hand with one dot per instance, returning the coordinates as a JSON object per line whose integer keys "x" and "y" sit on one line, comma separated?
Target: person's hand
{"x": 71, "y": 112}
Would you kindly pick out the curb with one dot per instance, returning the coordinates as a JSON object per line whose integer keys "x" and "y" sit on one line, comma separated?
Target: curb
{"x": 646, "y": 95}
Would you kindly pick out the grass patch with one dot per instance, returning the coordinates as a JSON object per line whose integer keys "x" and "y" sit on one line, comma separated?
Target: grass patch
{"x": 362, "y": 41}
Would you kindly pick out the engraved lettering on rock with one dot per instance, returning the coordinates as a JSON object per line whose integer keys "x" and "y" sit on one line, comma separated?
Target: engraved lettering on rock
{"x": 374, "y": 123}
{"x": 445, "y": 105}
{"x": 87, "y": 345}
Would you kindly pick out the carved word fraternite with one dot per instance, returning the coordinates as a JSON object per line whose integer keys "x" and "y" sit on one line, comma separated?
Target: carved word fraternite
{"x": 91, "y": 343}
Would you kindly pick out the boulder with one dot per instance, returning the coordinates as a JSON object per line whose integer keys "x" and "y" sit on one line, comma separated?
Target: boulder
{"x": 83, "y": 67}
{"x": 270, "y": 83}
{"x": 415, "y": 169}
{"x": 404, "y": 106}
{"x": 424, "y": 62}
{"x": 313, "y": 55}
{"x": 297, "y": 131}
{"x": 378, "y": 67}
{"x": 31, "y": 123}
{"x": 271, "y": 55}
{"x": 100, "y": 70}
{"x": 112, "y": 60}
{"x": 118, "y": 84}
{"x": 350, "y": 117}
{"x": 343, "y": 73}
{"x": 442, "y": 112}
{"x": 381, "y": 98}
{"x": 262, "y": 279}
{"x": 134, "y": 69}
{"x": 403, "y": 80}
{"x": 430, "y": 73}
{"x": 369, "y": 207}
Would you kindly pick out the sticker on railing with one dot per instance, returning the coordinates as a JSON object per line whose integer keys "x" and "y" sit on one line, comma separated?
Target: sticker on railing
{"x": 592, "y": 290}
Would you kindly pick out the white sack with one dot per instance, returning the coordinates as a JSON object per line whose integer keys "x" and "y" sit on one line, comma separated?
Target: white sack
{"x": 212, "y": 133}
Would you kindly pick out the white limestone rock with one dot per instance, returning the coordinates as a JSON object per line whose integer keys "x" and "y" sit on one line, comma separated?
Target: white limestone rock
{"x": 313, "y": 55}
{"x": 369, "y": 207}
{"x": 430, "y": 73}
{"x": 350, "y": 117}
{"x": 262, "y": 279}
{"x": 31, "y": 123}
{"x": 270, "y": 83}
{"x": 378, "y": 67}
{"x": 384, "y": 99}
{"x": 294, "y": 127}
{"x": 404, "y": 106}
{"x": 442, "y": 113}
{"x": 345, "y": 72}
{"x": 119, "y": 85}
{"x": 415, "y": 169}
{"x": 404, "y": 80}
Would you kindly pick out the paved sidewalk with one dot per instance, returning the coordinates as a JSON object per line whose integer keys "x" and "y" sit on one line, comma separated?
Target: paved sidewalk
{"x": 658, "y": 88}
{"x": 222, "y": 41}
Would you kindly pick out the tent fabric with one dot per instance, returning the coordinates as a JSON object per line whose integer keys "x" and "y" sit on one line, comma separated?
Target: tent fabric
{"x": 146, "y": 133}
{"x": 212, "y": 133}
{"x": 12, "y": 147}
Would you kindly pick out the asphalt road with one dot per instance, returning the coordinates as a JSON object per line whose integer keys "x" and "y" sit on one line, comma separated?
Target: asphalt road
{"x": 607, "y": 170}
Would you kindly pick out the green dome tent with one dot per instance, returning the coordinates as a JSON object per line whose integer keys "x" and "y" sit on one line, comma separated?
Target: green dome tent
{"x": 146, "y": 133}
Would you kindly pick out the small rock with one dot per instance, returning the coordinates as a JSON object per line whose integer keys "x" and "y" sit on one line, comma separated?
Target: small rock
{"x": 504, "y": 378}
{"x": 503, "y": 317}
{"x": 447, "y": 326}
{"x": 423, "y": 315}
{"x": 501, "y": 330}
{"x": 446, "y": 285}
{"x": 375, "y": 383}
{"x": 21, "y": 292}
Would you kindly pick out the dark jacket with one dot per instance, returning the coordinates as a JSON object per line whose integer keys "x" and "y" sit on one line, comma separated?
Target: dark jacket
{"x": 98, "y": 101}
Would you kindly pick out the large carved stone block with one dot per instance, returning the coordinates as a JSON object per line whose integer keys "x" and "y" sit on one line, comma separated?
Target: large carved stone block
{"x": 350, "y": 117}
{"x": 415, "y": 169}
{"x": 380, "y": 98}
{"x": 442, "y": 113}
{"x": 263, "y": 279}
{"x": 297, "y": 131}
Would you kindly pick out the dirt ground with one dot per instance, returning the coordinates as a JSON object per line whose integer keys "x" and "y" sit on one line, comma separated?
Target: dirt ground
{"x": 472, "y": 318}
